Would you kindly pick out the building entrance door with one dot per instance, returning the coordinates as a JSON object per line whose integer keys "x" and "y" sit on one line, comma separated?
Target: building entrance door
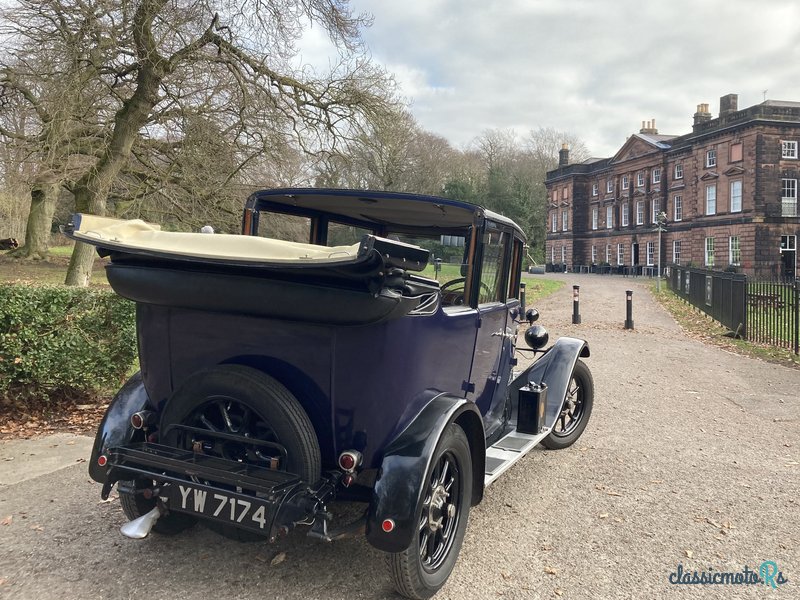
{"x": 789, "y": 257}
{"x": 634, "y": 254}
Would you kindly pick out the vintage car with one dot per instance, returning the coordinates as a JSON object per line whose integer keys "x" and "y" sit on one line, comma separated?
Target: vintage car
{"x": 280, "y": 375}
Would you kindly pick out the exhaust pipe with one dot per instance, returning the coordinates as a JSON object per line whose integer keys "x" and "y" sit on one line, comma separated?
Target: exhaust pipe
{"x": 142, "y": 419}
{"x": 139, "y": 528}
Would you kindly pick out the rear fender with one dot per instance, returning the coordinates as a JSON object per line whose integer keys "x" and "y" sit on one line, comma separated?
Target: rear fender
{"x": 115, "y": 428}
{"x": 399, "y": 490}
{"x": 554, "y": 368}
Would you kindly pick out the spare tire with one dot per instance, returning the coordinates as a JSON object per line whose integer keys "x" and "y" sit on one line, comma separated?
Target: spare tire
{"x": 244, "y": 402}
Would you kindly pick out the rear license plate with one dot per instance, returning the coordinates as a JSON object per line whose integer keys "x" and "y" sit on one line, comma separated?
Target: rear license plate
{"x": 239, "y": 510}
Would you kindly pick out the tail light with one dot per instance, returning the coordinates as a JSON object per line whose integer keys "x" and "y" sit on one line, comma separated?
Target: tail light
{"x": 349, "y": 460}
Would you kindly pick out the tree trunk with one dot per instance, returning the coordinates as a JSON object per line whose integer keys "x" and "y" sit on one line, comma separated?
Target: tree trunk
{"x": 44, "y": 197}
{"x": 80, "y": 265}
{"x": 93, "y": 202}
{"x": 91, "y": 191}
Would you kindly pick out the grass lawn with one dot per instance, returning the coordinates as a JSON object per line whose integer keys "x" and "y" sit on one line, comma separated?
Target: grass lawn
{"x": 51, "y": 271}
{"x": 534, "y": 288}
{"x": 447, "y": 273}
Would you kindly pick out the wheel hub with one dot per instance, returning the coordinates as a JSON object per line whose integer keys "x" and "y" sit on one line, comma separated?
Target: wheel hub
{"x": 439, "y": 508}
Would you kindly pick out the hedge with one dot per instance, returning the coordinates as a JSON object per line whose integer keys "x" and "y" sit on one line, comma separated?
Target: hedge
{"x": 67, "y": 340}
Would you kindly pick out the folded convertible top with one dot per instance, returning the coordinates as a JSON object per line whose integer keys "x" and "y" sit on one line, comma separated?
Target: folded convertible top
{"x": 357, "y": 284}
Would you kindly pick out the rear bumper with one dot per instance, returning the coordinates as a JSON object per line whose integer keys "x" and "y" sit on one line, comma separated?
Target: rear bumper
{"x": 245, "y": 496}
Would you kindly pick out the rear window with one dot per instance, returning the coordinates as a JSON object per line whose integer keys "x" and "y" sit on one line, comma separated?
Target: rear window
{"x": 340, "y": 234}
{"x": 289, "y": 228}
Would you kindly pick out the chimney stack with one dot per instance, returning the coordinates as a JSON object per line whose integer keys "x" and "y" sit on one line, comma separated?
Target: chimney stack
{"x": 728, "y": 104}
{"x": 649, "y": 127}
{"x": 563, "y": 156}
{"x": 702, "y": 115}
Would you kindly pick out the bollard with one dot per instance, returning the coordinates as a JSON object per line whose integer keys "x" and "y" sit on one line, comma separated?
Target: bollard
{"x": 629, "y": 309}
{"x": 522, "y": 297}
{"x": 576, "y": 300}
{"x": 437, "y": 267}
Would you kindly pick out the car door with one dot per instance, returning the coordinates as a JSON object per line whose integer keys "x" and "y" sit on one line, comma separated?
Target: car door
{"x": 493, "y": 336}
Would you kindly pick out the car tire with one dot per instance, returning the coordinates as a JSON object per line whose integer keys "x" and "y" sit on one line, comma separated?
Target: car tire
{"x": 422, "y": 569}
{"x": 231, "y": 398}
{"x": 575, "y": 413}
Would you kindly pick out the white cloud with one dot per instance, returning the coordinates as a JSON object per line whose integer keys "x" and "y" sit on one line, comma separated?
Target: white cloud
{"x": 596, "y": 69}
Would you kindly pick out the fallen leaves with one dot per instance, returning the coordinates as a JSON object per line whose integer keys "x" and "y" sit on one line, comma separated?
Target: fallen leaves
{"x": 7, "y": 520}
{"x": 711, "y": 521}
{"x": 724, "y": 527}
{"x": 689, "y": 553}
{"x": 606, "y": 491}
{"x": 279, "y": 558}
{"x": 550, "y": 571}
{"x": 58, "y": 415}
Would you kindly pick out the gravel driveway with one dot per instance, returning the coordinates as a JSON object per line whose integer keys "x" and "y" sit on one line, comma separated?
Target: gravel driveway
{"x": 692, "y": 457}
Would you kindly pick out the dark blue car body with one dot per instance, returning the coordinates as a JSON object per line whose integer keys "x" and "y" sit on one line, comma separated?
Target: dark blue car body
{"x": 382, "y": 359}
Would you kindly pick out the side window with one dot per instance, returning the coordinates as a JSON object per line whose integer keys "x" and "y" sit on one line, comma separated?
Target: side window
{"x": 518, "y": 250}
{"x": 289, "y": 228}
{"x": 493, "y": 278}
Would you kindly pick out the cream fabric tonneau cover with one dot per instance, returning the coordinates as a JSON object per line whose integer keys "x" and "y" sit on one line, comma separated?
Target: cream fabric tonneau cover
{"x": 137, "y": 235}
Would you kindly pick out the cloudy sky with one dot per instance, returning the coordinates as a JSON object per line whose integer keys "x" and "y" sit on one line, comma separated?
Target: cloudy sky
{"x": 591, "y": 67}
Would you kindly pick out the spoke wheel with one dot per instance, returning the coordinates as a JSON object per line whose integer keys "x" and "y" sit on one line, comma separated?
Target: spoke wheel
{"x": 575, "y": 412}
{"x": 440, "y": 512}
{"x": 231, "y": 416}
{"x": 422, "y": 569}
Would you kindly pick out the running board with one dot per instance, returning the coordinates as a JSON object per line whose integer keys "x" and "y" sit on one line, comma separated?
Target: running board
{"x": 508, "y": 450}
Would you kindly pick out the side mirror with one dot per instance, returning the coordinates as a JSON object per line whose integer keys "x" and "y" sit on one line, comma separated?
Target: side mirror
{"x": 536, "y": 337}
{"x": 531, "y": 315}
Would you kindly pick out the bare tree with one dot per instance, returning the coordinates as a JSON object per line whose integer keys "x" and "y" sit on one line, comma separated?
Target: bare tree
{"x": 507, "y": 174}
{"x": 542, "y": 151}
{"x": 47, "y": 84}
{"x": 162, "y": 62}
{"x": 394, "y": 153}
{"x": 544, "y": 143}
{"x": 497, "y": 147}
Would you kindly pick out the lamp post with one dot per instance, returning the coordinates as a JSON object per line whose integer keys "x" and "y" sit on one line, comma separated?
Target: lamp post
{"x": 661, "y": 226}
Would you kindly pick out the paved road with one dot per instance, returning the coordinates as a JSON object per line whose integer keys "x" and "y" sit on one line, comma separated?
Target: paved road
{"x": 692, "y": 457}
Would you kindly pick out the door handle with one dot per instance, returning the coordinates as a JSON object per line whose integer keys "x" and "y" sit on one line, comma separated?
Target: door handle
{"x": 502, "y": 334}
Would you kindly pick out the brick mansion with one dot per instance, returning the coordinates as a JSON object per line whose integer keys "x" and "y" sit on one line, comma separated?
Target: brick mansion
{"x": 727, "y": 190}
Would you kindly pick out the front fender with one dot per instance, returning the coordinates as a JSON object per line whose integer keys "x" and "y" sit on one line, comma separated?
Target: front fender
{"x": 553, "y": 368}
{"x": 115, "y": 428}
{"x": 398, "y": 491}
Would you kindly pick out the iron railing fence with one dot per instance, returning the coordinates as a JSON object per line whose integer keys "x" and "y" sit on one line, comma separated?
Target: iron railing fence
{"x": 772, "y": 313}
{"x": 764, "y": 312}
